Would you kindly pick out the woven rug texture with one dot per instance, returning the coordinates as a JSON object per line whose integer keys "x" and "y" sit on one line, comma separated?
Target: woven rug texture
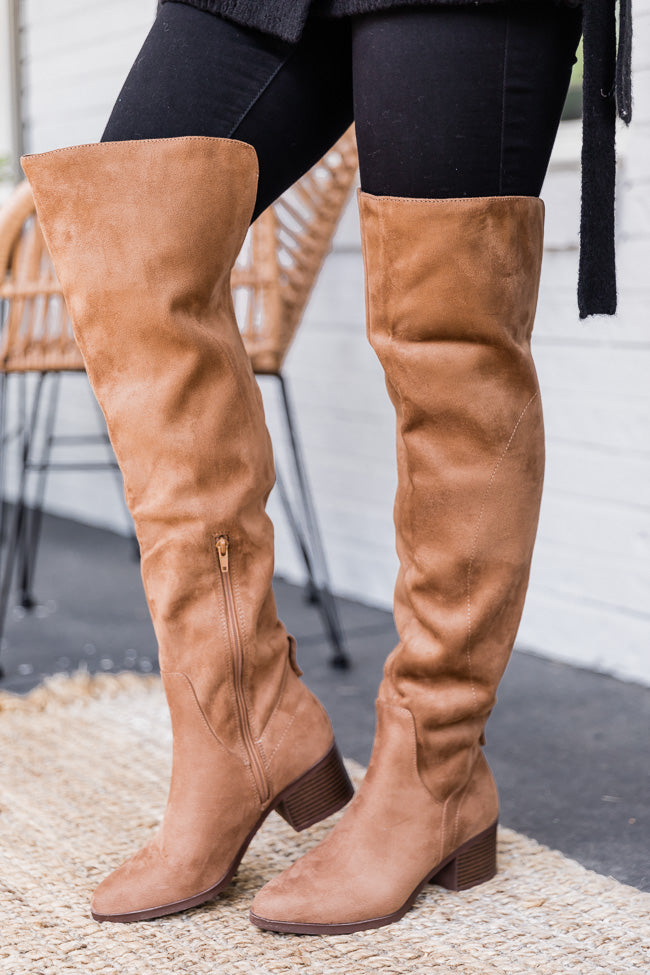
{"x": 84, "y": 772}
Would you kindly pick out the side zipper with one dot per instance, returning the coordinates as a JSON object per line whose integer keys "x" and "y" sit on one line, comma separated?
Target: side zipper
{"x": 222, "y": 544}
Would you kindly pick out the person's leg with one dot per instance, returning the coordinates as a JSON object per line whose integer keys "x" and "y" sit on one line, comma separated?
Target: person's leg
{"x": 461, "y": 102}
{"x": 456, "y": 113}
{"x": 198, "y": 74}
{"x": 143, "y": 230}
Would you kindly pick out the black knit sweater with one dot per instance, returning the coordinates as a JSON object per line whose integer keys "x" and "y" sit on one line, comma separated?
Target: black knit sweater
{"x": 286, "y": 18}
{"x": 606, "y": 93}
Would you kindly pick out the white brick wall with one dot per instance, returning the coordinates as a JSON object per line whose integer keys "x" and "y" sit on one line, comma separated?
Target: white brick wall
{"x": 588, "y": 600}
{"x": 8, "y": 162}
{"x": 5, "y": 85}
{"x": 76, "y": 54}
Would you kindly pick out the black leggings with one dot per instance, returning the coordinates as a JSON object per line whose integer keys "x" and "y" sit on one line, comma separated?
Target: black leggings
{"x": 448, "y": 101}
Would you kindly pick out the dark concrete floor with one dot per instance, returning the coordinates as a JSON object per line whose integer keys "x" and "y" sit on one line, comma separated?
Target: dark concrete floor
{"x": 569, "y": 748}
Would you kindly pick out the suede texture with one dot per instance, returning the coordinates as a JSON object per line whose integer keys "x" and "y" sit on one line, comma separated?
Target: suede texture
{"x": 391, "y": 835}
{"x": 212, "y": 807}
{"x": 451, "y": 292}
{"x": 143, "y": 236}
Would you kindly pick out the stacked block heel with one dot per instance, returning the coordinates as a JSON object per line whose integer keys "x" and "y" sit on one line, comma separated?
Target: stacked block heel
{"x": 321, "y": 791}
{"x": 473, "y": 863}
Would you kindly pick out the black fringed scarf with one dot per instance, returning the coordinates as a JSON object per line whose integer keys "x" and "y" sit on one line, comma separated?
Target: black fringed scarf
{"x": 607, "y": 91}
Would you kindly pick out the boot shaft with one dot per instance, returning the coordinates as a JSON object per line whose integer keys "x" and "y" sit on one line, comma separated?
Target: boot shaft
{"x": 143, "y": 236}
{"x": 451, "y": 293}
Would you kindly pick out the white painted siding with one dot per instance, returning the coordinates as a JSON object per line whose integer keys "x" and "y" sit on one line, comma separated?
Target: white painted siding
{"x": 75, "y": 56}
{"x": 588, "y": 600}
{"x": 5, "y": 85}
{"x": 7, "y": 131}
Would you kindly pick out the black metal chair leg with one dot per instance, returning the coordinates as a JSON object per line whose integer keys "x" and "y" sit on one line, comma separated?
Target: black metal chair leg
{"x": 135, "y": 546}
{"x": 296, "y": 530}
{"x": 3, "y": 453}
{"x": 34, "y": 517}
{"x": 21, "y": 434}
{"x": 323, "y": 593}
{"x": 17, "y": 520}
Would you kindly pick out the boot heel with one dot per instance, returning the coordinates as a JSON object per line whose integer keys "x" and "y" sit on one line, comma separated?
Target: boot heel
{"x": 473, "y": 863}
{"x": 321, "y": 791}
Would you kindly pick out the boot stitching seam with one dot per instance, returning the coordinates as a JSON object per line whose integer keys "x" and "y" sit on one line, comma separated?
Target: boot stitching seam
{"x": 283, "y": 687}
{"x": 197, "y": 704}
{"x": 468, "y": 644}
{"x": 282, "y": 736}
{"x": 267, "y": 768}
{"x": 457, "y": 792}
{"x": 182, "y": 138}
{"x": 414, "y": 738}
{"x": 459, "y": 807}
{"x": 459, "y": 201}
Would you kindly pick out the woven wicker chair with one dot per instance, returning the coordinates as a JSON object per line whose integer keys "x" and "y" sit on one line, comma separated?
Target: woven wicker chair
{"x": 272, "y": 281}
{"x": 36, "y": 340}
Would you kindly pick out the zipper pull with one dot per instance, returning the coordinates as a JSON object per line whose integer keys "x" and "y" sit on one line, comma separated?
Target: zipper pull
{"x": 222, "y": 552}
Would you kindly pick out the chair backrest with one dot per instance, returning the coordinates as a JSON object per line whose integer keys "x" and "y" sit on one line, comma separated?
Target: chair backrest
{"x": 36, "y": 329}
{"x": 284, "y": 252}
{"x": 272, "y": 279}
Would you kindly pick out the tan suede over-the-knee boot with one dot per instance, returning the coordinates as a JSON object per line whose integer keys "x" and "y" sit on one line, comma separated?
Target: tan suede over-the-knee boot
{"x": 143, "y": 236}
{"x": 451, "y": 288}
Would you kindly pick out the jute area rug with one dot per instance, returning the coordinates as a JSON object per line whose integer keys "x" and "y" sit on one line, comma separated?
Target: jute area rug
{"x": 85, "y": 763}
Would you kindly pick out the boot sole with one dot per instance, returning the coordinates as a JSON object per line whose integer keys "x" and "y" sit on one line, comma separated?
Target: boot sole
{"x": 318, "y": 793}
{"x": 471, "y": 864}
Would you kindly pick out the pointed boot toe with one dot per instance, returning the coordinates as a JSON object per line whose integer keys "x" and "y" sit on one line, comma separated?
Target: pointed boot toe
{"x": 392, "y": 841}
{"x": 151, "y": 884}
{"x": 280, "y": 901}
{"x": 128, "y": 891}
{"x": 109, "y": 900}
{"x": 310, "y": 897}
